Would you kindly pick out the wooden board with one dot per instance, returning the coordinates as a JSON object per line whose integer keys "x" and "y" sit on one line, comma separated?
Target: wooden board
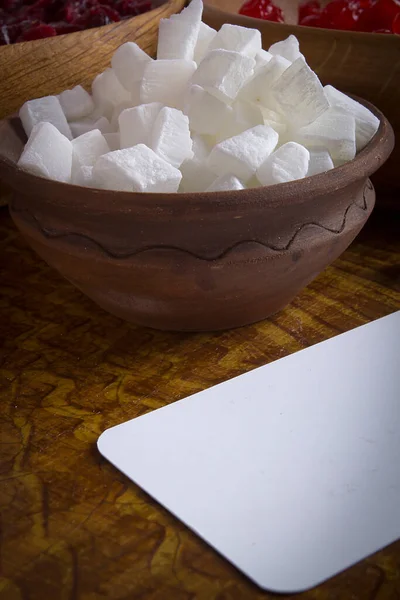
{"x": 73, "y": 528}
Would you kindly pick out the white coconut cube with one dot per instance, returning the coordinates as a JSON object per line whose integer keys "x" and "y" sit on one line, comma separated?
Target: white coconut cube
{"x": 206, "y": 113}
{"x": 136, "y": 124}
{"x": 170, "y": 136}
{"x": 299, "y": 95}
{"x": 262, "y": 58}
{"x": 87, "y": 148}
{"x": 274, "y": 120}
{"x": 258, "y": 87}
{"x": 237, "y": 39}
{"x": 243, "y": 154}
{"x": 288, "y": 48}
{"x": 84, "y": 125}
{"x": 113, "y": 140}
{"x": 76, "y": 103}
{"x": 196, "y": 176}
{"x": 222, "y": 73}
{"x": 166, "y": 81}
{"x": 288, "y": 163}
{"x": 226, "y": 183}
{"x": 178, "y": 35}
{"x": 241, "y": 117}
{"x": 204, "y": 39}
{"x": 47, "y": 153}
{"x": 128, "y": 63}
{"x": 108, "y": 92}
{"x": 334, "y": 131}
{"x": 83, "y": 176}
{"x": 136, "y": 169}
{"x": 44, "y": 110}
{"x": 366, "y": 122}
{"x": 320, "y": 162}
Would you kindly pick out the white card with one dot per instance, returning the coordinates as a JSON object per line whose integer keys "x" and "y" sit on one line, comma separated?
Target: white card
{"x": 291, "y": 471}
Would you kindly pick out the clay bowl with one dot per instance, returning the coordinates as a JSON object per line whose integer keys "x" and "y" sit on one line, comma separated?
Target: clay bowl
{"x": 51, "y": 65}
{"x": 364, "y": 64}
{"x": 193, "y": 262}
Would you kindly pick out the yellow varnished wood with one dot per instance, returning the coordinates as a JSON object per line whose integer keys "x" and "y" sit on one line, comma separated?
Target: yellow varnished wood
{"x": 73, "y": 527}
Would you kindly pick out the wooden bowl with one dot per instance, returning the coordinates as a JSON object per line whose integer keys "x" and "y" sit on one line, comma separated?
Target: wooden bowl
{"x": 364, "y": 64}
{"x": 51, "y": 65}
{"x": 193, "y": 262}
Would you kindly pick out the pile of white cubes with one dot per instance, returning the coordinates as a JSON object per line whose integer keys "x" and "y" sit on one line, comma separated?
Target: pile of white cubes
{"x": 213, "y": 112}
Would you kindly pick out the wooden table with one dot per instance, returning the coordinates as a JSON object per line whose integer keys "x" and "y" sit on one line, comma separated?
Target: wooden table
{"x": 72, "y": 526}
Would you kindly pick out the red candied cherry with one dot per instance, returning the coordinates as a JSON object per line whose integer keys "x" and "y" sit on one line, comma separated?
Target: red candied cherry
{"x": 98, "y": 16}
{"x": 381, "y": 15}
{"x": 62, "y": 28}
{"x": 306, "y": 9}
{"x": 262, "y": 9}
{"x": 312, "y": 21}
{"x": 396, "y": 24}
{"x": 75, "y": 9}
{"x": 132, "y": 8}
{"x": 343, "y": 14}
{"x": 37, "y": 32}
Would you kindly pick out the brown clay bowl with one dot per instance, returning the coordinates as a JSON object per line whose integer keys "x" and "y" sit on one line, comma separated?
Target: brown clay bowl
{"x": 193, "y": 262}
{"x": 364, "y": 64}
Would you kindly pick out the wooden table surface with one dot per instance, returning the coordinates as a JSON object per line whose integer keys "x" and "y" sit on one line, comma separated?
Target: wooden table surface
{"x": 72, "y": 526}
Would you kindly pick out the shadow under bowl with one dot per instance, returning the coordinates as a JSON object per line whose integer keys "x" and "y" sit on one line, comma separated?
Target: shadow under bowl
{"x": 193, "y": 262}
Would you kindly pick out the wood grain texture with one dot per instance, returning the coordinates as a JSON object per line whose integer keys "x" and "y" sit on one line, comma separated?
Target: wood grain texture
{"x": 73, "y": 527}
{"x": 42, "y": 67}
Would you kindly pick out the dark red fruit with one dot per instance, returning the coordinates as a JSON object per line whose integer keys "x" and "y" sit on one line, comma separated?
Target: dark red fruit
{"x": 132, "y": 8}
{"x": 306, "y": 9}
{"x": 97, "y": 16}
{"x": 381, "y": 15}
{"x": 343, "y": 14}
{"x": 262, "y": 9}
{"x": 36, "y": 33}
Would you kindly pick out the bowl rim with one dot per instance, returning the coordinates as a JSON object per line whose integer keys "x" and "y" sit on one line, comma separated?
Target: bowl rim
{"x": 254, "y": 23}
{"x": 365, "y": 163}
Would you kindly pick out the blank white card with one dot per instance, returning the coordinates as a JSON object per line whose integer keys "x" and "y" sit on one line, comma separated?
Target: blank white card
{"x": 291, "y": 471}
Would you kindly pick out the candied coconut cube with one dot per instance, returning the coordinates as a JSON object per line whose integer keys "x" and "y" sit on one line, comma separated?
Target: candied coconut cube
{"x": 170, "y": 137}
{"x": 108, "y": 92}
{"x": 299, "y": 95}
{"x": 288, "y": 163}
{"x": 206, "y": 113}
{"x": 204, "y": 39}
{"x": 243, "y": 154}
{"x": 222, "y": 73}
{"x": 87, "y": 148}
{"x": 166, "y": 81}
{"x": 136, "y": 169}
{"x": 76, "y": 103}
{"x": 334, "y": 131}
{"x": 84, "y": 125}
{"x": 241, "y": 117}
{"x": 366, "y": 122}
{"x": 113, "y": 140}
{"x": 237, "y": 39}
{"x": 288, "y": 48}
{"x": 178, "y": 35}
{"x": 136, "y": 124}
{"x": 320, "y": 162}
{"x": 83, "y": 176}
{"x": 258, "y": 87}
{"x": 196, "y": 176}
{"x": 226, "y": 183}
{"x": 129, "y": 62}
{"x": 44, "y": 110}
{"x": 47, "y": 153}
